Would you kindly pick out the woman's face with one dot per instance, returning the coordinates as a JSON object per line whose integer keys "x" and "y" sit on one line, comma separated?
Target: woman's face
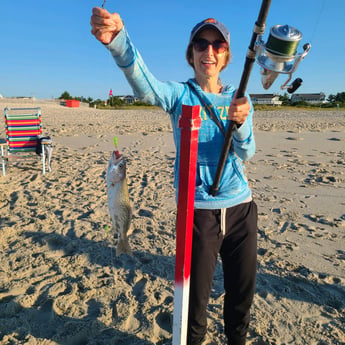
{"x": 209, "y": 63}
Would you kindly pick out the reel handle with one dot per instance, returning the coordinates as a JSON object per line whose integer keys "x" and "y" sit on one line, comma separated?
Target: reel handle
{"x": 295, "y": 85}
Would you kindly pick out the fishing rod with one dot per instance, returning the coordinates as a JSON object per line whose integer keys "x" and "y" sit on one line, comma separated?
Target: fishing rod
{"x": 277, "y": 56}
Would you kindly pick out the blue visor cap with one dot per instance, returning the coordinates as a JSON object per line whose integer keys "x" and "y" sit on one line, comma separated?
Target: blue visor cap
{"x": 213, "y": 24}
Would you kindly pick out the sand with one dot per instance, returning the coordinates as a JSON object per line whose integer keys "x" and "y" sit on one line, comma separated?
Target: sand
{"x": 61, "y": 283}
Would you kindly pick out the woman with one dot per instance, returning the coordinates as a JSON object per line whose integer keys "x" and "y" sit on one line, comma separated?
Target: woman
{"x": 226, "y": 223}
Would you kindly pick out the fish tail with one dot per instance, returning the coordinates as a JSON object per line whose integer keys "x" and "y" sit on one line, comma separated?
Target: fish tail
{"x": 123, "y": 246}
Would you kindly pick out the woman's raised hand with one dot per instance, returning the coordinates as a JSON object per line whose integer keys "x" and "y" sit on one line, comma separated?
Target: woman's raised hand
{"x": 104, "y": 25}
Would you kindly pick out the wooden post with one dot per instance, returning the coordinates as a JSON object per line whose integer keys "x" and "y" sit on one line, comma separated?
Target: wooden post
{"x": 189, "y": 123}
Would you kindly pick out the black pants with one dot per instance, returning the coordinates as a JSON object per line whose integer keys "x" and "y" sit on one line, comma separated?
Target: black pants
{"x": 237, "y": 247}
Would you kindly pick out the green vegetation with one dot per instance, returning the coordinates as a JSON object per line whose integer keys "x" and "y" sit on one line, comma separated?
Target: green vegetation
{"x": 65, "y": 95}
{"x": 267, "y": 107}
{"x": 333, "y": 101}
{"x": 114, "y": 102}
{"x": 337, "y": 100}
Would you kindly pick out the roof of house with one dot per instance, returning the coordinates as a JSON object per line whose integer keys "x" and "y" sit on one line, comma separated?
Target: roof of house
{"x": 316, "y": 96}
{"x": 263, "y": 95}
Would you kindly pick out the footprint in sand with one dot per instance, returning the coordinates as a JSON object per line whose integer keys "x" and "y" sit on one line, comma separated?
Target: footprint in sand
{"x": 138, "y": 290}
{"x": 164, "y": 321}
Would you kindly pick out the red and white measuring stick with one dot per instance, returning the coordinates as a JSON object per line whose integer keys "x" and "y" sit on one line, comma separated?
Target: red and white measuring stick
{"x": 189, "y": 123}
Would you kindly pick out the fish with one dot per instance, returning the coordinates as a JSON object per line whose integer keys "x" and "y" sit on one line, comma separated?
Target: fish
{"x": 118, "y": 201}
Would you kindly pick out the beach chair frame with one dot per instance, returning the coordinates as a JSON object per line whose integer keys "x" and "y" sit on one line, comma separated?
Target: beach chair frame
{"x": 23, "y": 128}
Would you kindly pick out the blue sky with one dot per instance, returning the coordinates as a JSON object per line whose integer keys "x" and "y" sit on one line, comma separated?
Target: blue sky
{"x": 47, "y": 47}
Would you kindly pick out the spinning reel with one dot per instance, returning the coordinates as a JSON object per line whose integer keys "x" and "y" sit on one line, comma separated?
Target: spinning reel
{"x": 279, "y": 56}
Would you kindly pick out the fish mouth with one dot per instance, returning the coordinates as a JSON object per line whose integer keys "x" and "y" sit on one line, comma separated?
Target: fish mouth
{"x": 116, "y": 154}
{"x": 117, "y": 157}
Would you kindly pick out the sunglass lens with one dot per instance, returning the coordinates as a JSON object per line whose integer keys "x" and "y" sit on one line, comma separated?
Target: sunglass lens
{"x": 201, "y": 44}
{"x": 218, "y": 46}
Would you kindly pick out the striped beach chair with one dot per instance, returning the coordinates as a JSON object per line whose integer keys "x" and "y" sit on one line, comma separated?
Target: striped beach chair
{"x": 23, "y": 128}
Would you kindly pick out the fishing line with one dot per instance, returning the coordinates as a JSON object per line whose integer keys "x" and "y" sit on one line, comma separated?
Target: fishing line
{"x": 281, "y": 47}
{"x": 317, "y": 22}
{"x": 110, "y": 63}
{"x": 110, "y": 234}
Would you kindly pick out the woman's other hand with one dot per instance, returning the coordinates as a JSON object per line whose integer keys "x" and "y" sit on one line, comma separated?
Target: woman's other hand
{"x": 239, "y": 110}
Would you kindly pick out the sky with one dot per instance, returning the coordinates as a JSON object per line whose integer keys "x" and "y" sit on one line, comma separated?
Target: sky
{"x": 46, "y": 47}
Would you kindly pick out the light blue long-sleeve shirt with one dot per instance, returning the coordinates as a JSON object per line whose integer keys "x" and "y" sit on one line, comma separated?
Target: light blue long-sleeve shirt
{"x": 233, "y": 186}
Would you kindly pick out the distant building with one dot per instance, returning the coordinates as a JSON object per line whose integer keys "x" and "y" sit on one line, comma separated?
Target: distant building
{"x": 129, "y": 99}
{"x": 312, "y": 98}
{"x": 265, "y": 98}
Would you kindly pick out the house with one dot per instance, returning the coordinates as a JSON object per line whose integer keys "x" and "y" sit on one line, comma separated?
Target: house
{"x": 129, "y": 99}
{"x": 266, "y": 98}
{"x": 312, "y": 98}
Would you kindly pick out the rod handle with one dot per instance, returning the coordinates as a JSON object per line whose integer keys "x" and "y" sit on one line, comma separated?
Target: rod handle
{"x": 225, "y": 150}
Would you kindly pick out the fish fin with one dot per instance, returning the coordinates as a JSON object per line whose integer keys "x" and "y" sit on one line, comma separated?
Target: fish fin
{"x": 123, "y": 247}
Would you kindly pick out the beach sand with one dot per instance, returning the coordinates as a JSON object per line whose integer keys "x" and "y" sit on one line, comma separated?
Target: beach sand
{"x": 61, "y": 283}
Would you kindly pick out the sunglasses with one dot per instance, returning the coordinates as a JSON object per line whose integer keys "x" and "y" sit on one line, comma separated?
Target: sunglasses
{"x": 219, "y": 46}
